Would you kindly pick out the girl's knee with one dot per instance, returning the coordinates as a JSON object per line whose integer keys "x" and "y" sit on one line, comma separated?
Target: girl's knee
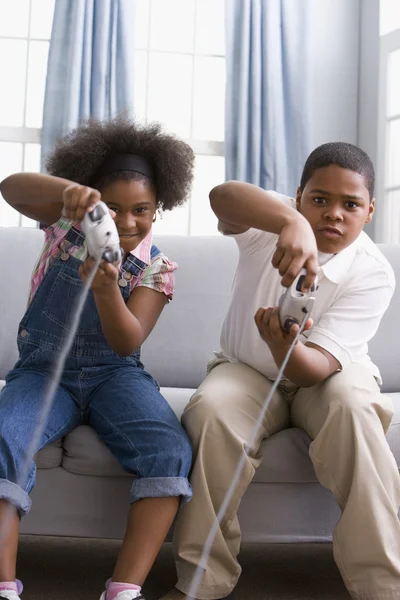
{"x": 179, "y": 454}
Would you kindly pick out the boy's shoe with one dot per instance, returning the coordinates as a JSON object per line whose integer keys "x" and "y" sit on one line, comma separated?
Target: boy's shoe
{"x": 177, "y": 595}
{"x": 127, "y": 595}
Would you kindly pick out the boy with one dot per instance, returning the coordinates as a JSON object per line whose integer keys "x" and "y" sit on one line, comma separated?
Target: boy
{"x": 330, "y": 388}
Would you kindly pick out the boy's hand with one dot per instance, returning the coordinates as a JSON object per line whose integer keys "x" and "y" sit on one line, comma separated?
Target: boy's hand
{"x": 106, "y": 276}
{"x": 296, "y": 248}
{"x": 79, "y": 199}
{"x": 269, "y": 326}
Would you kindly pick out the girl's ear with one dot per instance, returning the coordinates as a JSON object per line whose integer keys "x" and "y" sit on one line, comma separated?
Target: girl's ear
{"x": 298, "y": 198}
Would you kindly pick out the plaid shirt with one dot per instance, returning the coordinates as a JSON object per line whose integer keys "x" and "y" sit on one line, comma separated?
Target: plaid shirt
{"x": 158, "y": 276}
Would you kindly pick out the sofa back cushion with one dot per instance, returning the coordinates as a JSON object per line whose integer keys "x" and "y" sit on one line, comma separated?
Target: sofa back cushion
{"x": 188, "y": 331}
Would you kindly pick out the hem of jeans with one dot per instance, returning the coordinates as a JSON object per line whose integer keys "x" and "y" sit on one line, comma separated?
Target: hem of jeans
{"x": 211, "y": 592}
{"x": 161, "y": 487}
{"x": 15, "y": 495}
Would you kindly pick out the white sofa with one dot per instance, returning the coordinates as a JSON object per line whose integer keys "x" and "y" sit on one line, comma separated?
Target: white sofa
{"x": 81, "y": 490}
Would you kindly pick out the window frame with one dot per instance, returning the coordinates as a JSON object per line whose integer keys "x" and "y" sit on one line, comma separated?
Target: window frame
{"x": 388, "y": 43}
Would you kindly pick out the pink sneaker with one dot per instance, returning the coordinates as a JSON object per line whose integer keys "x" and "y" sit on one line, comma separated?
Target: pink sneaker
{"x": 11, "y": 594}
{"x": 127, "y": 595}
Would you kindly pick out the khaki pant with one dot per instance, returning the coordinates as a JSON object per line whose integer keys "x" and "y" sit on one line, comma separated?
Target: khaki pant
{"x": 347, "y": 418}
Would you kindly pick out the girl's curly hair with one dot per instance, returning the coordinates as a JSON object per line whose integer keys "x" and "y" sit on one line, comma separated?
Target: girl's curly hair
{"x": 78, "y": 155}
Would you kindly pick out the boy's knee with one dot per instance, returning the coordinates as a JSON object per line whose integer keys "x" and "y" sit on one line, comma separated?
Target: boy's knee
{"x": 354, "y": 392}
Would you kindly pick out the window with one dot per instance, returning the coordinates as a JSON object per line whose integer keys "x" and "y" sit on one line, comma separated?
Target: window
{"x": 25, "y": 28}
{"x": 180, "y": 81}
{"x": 388, "y": 172}
{"x": 389, "y": 16}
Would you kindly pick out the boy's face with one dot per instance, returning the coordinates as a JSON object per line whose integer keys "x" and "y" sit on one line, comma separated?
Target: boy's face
{"x": 134, "y": 205}
{"x": 337, "y": 205}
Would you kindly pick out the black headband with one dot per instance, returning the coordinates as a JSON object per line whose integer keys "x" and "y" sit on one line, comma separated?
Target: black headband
{"x": 123, "y": 162}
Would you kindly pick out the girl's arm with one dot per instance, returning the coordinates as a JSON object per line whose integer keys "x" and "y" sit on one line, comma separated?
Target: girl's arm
{"x": 126, "y": 326}
{"x": 42, "y": 197}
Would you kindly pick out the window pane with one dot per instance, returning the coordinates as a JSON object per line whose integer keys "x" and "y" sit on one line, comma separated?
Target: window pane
{"x": 14, "y": 18}
{"x": 210, "y": 27}
{"x": 37, "y": 69}
{"x": 42, "y": 19}
{"x": 172, "y": 25}
{"x": 142, "y": 21}
{"x": 209, "y": 172}
{"x": 392, "y": 219}
{"x": 175, "y": 222}
{"x": 389, "y": 16}
{"x": 140, "y": 91}
{"x": 170, "y": 91}
{"x": 209, "y": 99}
{"x": 393, "y": 154}
{"x": 32, "y": 165}
{"x": 32, "y": 158}
{"x": 12, "y": 77}
{"x": 10, "y": 162}
{"x": 394, "y": 84}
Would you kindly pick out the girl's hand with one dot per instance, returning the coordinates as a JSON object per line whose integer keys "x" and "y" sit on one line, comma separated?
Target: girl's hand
{"x": 269, "y": 326}
{"x": 78, "y": 200}
{"x": 296, "y": 248}
{"x": 106, "y": 276}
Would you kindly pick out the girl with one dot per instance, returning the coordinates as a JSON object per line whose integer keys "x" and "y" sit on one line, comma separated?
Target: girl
{"x": 135, "y": 170}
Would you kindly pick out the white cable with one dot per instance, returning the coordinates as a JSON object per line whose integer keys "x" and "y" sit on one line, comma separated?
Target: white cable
{"x": 50, "y": 395}
{"x": 194, "y": 586}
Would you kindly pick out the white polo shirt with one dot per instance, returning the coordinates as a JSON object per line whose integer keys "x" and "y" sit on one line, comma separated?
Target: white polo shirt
{"x": 355, "y": 289}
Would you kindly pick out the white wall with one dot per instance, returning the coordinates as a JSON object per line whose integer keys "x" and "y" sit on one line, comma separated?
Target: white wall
{"x": 335, "y": 46}
{"x": 345, "y": 45}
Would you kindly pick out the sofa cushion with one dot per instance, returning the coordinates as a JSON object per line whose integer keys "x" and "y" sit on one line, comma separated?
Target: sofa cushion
{"x": 285, "y": 453}
{"x": 85, "y": 454}
{"x": 50, "y": 457}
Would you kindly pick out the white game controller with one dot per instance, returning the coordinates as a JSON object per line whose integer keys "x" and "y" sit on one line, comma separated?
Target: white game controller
{"x": 102, "y": 237}
{"x": 294, "y": 303}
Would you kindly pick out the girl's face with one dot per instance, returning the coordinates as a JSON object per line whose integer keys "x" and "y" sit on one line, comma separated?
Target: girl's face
{"x": 134, "y": 205}
{"x": 337, "y": 205}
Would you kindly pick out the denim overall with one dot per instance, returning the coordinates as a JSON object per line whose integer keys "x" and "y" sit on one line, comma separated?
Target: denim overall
{"x": 112, "y": 394}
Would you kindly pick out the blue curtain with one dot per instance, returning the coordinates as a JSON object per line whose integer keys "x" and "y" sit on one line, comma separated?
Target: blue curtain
{"x": 90, "y": 67}
{"x": 268, "y": 60}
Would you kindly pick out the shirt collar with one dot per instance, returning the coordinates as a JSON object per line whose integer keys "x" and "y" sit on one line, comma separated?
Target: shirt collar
{"x": 337, "y": 267}
{"x": 143, "y": 250}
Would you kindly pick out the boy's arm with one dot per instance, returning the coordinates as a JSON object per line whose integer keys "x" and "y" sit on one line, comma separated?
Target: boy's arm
{"x": 340, "y": 337}
{"x": 240, "y": 206}
{"x": 308, "y": 364}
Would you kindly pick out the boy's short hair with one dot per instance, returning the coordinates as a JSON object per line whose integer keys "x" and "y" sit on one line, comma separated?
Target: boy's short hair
{"x": 79, "y": 154}
{"x": 344, "y": 155}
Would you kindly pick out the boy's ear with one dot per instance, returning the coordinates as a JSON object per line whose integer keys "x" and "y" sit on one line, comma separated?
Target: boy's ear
{"x": 371, "y": 211}
{"x": 298, "y": 198}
